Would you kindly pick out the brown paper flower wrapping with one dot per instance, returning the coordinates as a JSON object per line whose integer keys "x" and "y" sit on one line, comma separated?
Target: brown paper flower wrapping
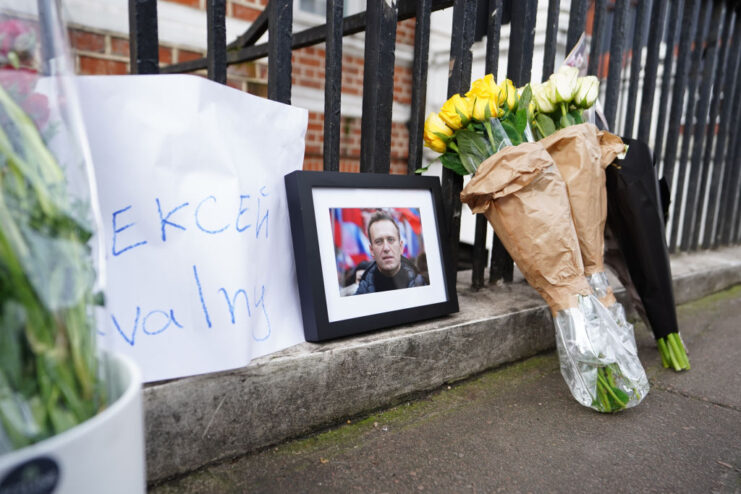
{"x": 581, "y": 153}
{"x": 522, "y": 194}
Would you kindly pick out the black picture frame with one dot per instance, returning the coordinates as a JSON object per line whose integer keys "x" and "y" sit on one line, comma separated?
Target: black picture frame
{"x": 307, "y": 194}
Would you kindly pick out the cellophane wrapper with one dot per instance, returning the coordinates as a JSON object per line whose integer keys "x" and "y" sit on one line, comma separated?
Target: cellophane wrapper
{"x": 586, "y": 339}
{"x": 524, "y": 197}
{"x": 50, "y": 377}
{"x": 601, "y": 288}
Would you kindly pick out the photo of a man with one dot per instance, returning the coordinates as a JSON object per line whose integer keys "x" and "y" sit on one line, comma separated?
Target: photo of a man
{"x": 390, "y": 270}
{"x": 377, "y": 250}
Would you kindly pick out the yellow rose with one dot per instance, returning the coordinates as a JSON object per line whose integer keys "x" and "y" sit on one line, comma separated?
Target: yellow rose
{"x": 433, "y": 127}
{"x": 485, "y": 88}
{"x": 456, "y": 112}
{"x": 479, "y": 108}
{"x": 507, "y": 94}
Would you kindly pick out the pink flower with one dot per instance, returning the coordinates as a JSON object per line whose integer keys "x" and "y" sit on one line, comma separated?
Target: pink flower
{"x": 9, "y": 31}
{"x": 37, "y": 107}
{"x": 18, "y": 82}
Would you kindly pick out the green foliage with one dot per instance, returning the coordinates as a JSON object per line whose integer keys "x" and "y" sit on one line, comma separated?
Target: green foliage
{"x": 48, "y": 361}
{"x": 451, "y": 161}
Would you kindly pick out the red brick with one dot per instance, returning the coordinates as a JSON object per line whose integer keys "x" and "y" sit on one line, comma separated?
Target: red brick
{"x": 91, "y": 65}
{"x": 86, "y": 41}
{"x": 236, "y": 84}
{"x": 188, "y": 3}
{"x": 187, "y": 55}
{"x": 165, "y": 54}
{"x": 313, "y": 164}
{"x": 405, "y": 32}
{"x": 248, "y": 14}
{"x": 120, "y": 46}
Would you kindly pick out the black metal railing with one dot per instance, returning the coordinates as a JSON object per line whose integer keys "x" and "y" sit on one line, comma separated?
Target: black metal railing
{"x": 690, "y": 117}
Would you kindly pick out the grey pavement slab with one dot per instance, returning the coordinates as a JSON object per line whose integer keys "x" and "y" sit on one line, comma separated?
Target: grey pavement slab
{"x": 201, "y": 420}
{"x": 517, "y": 429}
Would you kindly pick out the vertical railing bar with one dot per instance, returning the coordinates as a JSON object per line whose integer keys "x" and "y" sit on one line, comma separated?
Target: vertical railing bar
{"x": 551, "y": 32}
{"x": 378, "y": 87}
{"x": 143, "y": 38}
{"x": 598, "y": 27}
{"x": 493, "y": 31}
{"x": 641, "y": 18}
{"x": 689, "y": 24}
{"x": 216, "y": 40}
{"x": 419, "y": 84}
{"x": 735, "y": 158}
{"x": 577, "y": 22}
{"x": 733, "y": 167}
{"x": 683, "y": 171}
{"x": 710, "y": 140}
{"x": 733, "y": 235}
{"x": 529, "y": 45}
{"x": 695, "y": 201}
{"x": 280, "y": 23}
{"x": 617, "y": 41}
{"x": 459, "y": 80}
{"x": 666, "y": 80}
{"x": 730, "y": 88}
{"x": 735, "y": 195}
{"x": 658, "y": 16}
{"x": 502, "y": 267}
{"x": 333, "y": 85}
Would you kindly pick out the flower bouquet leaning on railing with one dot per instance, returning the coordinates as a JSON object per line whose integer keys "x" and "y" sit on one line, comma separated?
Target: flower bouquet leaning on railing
{"x": 581, "y": 153}
{"x": 49, "y": 373}
{"x": 561, "y": 103}
{"x": 521, "y": 192}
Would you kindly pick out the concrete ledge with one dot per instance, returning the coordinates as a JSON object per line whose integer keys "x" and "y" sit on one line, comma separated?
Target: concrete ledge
{"x": 194, "y": 421}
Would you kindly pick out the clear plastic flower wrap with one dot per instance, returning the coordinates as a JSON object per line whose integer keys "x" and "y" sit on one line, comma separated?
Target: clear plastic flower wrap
{"x": 524, "y": 197}
{"x": 601, "y": 288}
{"x": 50, "y": 379}
{"x": 599, "y": 366}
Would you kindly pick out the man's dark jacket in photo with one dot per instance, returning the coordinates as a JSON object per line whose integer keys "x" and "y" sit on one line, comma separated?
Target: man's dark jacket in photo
{"x": 373, "y": 281}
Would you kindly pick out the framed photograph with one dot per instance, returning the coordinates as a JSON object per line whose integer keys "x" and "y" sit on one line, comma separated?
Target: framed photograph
{"x": 369, "y": 251}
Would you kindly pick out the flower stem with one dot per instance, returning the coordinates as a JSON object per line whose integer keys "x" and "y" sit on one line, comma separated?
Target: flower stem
{"x": 487, "y": 126}
{"x": 540, "y": 129}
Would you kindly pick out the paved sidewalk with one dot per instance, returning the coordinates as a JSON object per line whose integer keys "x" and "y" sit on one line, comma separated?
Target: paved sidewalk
{"x": 517, "y": 429}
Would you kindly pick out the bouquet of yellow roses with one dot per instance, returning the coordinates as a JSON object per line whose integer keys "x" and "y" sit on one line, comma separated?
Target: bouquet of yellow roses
{"x": 470, "y": 128}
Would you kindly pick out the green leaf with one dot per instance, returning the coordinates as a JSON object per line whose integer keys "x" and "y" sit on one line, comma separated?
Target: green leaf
{"x": 452, "y": 162}
{"x": 520, "y": 120}
{"x": 622, "y": 395}
{"x": 420, "y": 171}
{"x": 526, "y": 97}
{"x": 545, "y": 124}
{"x": 473, "y": 144}
{"x": 443, "y": 137}
{"x": 576, "y": 116}
{"x": 512, "y": 133}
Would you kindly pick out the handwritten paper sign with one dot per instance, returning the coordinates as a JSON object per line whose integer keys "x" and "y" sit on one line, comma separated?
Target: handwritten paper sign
{"x": 200, "y": 270}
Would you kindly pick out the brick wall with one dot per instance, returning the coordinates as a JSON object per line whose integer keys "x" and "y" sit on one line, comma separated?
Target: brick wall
{"x": 100, "y": 52}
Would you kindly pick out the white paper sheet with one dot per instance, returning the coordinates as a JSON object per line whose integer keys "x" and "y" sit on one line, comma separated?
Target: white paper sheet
{"x": 200, "y": 267}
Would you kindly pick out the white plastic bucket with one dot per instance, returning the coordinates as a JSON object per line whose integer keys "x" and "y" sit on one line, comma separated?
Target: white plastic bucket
{"x": 102, "y": 455}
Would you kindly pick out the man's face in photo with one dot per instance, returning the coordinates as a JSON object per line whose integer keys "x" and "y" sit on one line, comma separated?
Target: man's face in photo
{"x": 386, "y": 246}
